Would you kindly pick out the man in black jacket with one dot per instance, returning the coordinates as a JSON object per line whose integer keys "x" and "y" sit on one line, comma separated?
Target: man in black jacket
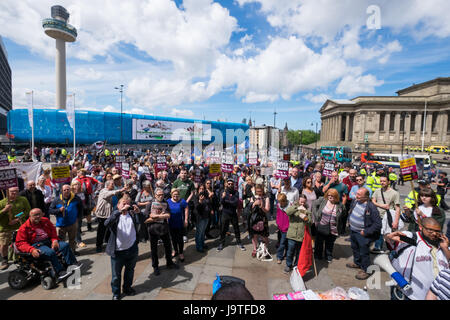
{"x": 35, "y": 197}
{"x": 365, "y": 228}
{"x": 123, "y": 245}
{"x": 230, "y": 200}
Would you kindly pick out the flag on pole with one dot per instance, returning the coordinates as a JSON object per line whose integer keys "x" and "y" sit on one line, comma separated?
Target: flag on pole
{"x": 70, "y": 110}
{"x": 30, "y": 107}
{"x": 306, "y": 254}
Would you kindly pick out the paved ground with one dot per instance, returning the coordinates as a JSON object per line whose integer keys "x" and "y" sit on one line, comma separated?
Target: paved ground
{"x": 194, "y": 278}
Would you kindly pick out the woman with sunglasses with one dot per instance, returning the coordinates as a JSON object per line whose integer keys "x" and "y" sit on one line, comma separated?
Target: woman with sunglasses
{"x": 427, "y": 207}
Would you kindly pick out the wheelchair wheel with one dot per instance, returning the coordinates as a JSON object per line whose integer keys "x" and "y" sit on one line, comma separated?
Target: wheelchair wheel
{"x": 48, "y": 283}
{"x": 17, "y": 280}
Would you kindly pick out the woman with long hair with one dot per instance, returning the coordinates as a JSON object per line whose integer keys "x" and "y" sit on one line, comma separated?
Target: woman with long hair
{"x": 427, "y": 207}
{"x": 258, "y": 223}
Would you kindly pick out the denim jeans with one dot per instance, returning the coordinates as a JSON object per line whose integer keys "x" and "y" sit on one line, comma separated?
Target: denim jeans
{"x": 49, "y": 254}
{"x": 379, "y": 243}
{"x": 361, "y": 250}
{"x": 124, "y": 258}
{"x": 292, "y": 250}
{"x": 200, "y": 230}
{"x": 283, "y": 246}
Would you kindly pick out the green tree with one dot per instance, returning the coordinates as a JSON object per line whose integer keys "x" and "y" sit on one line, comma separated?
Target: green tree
{"x": 304, "y": 136}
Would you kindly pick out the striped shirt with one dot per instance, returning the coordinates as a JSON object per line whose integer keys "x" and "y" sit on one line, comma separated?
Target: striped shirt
{"x": 329, "y": 217}
{"x": 357, "y": 217}
{"x": 441, "y": 285}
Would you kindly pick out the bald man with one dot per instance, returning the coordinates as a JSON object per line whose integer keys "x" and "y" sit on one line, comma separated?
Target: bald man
{"x": 35, "y": 197}
{"x": 421, "y": 260}
{"x": 38, "y": 236}
{"x": 10, "y": 207}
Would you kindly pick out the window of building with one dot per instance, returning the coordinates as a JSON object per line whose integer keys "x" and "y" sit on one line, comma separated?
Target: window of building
{"x": 392, "y": 122}
{"x": 434, "y": 118}
{"x": 413, "y": 121}
{"x": 382, "y": 117}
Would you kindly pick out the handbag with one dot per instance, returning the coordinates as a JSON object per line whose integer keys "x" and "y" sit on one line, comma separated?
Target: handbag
{"x": 325, "y": 229}
{"x": 159, "y": 229}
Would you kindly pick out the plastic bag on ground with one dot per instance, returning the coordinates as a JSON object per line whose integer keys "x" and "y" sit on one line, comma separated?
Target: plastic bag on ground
{"x": 297, "y": 283}
{"x": 337, "y": 293}
{"x": 355, "y": 293}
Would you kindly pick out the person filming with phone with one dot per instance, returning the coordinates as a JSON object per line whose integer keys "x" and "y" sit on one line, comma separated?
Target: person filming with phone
{"x": 419, "y": 257}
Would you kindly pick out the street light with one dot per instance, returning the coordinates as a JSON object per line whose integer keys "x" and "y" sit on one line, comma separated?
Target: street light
{"x": 403, "y": 116}
{"x": 315, "y": 147}
{"x": 121, "y": 93}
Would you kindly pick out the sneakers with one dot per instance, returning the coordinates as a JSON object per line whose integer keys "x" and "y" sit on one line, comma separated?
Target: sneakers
{"x": 352, "y": 265}
{"x": 81, "y": 244}
{"x": 185, "y": 239}
{"x": 116, "y": 297}
{"x": 4, "y": 265}
{"x": 241, "y": 246}
{"x": 362, "y": 275}
{"x": 220, "y": 247}
{"x": 329, "y": 259}
{"x": 287, "y": 270}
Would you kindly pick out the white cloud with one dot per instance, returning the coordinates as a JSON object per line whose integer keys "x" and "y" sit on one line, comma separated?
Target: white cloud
{"x": 88, "y": 74}
{"x": 319, "y": 98}
{"x": 182, "y": 113}
{"x": 352, "y": 85}
{"x": 42, "y": 99}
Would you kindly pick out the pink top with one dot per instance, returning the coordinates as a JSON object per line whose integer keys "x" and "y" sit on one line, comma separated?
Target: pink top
{"x": 282, "y": 219}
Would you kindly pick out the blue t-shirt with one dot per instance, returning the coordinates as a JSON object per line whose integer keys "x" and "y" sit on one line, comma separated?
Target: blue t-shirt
{"x": 176, "y": 209}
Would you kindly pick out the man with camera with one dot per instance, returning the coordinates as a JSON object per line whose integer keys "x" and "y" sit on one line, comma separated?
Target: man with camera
{"x": 123, "y": 245}
{"x": 419, "y": 257}
{"x": 230, "y": 200}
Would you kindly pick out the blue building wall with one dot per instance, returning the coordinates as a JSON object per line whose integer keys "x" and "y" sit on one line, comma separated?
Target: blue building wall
{"x": 52, "y": 126}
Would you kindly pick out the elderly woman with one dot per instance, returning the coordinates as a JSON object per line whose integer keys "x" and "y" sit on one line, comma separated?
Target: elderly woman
{"x": 327, "y": 212}
{"x": 77, "y": 190}
{"x": 103, "y": 210}
{"x": 144, "y": 198}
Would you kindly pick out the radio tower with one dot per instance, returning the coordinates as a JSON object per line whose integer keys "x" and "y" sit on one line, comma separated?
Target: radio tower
{"x": 58, "y": 28}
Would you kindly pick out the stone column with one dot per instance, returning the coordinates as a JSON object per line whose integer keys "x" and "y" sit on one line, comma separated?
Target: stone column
{"x": 347, "y": 127}
{"x": 397, "y": 127}
{"x": 376, "y": 122}
{"x": 339, "y": 127}
{"x": 387, "y": 121}
{"x": 418, "y": 128}
{"x": 444, "y": 128}
{"x": 428, "y": 130}
{"x": 407, "y": 129}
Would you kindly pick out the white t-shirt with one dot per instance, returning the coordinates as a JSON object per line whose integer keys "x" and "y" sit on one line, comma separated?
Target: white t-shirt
{"x": 426, "y": 211}
{"x": 418, "y": 258}
{"x": 126, "y": 233}
{"x": 292, "y": 195}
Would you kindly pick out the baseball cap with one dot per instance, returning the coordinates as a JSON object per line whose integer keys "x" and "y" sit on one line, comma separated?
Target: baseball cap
{"x": 423, "y": 181}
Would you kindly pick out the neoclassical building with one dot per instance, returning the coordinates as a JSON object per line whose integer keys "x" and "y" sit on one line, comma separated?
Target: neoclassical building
{"x": 382, "y": 122}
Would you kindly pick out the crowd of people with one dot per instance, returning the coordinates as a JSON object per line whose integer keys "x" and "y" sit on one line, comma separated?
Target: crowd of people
{"x": 165, "y": 206}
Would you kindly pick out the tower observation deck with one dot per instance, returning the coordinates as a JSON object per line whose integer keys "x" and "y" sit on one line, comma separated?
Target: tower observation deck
{"x": 57, "y": 28}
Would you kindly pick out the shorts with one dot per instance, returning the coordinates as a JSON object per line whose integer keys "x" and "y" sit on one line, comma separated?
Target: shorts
{"x": 6, "y": 238}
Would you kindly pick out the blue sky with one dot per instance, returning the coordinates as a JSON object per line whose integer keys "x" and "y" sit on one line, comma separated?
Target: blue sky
{"x": 227, "y": 59}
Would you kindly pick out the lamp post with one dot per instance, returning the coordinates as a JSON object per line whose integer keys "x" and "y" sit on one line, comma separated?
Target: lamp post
{"x": 121, "y": 94}
{"x": 315, "y": 147}
{"x": 403, "y": 116}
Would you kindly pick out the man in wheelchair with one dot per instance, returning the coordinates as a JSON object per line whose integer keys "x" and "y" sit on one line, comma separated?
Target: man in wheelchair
{"x": 38, "y": 237}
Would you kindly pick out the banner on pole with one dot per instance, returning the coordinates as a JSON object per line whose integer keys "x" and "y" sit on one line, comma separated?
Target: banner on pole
{"x": 8, "y": 179}
{"x": 328, "y": 169}
{"x": 4, "y": 162}
{"x": 161, "y": 163}
{"x": 125, "y": 170}
{"x": 28, "y": 170}
{"x": 282, "y": 170}
{"x": 253, "y": 158}
{"x": 408, "y": 168}
{"x": 61, "y": 173}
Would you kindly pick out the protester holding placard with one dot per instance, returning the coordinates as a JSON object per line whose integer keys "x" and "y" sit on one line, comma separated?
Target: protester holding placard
{"x": 10, "y": 207}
